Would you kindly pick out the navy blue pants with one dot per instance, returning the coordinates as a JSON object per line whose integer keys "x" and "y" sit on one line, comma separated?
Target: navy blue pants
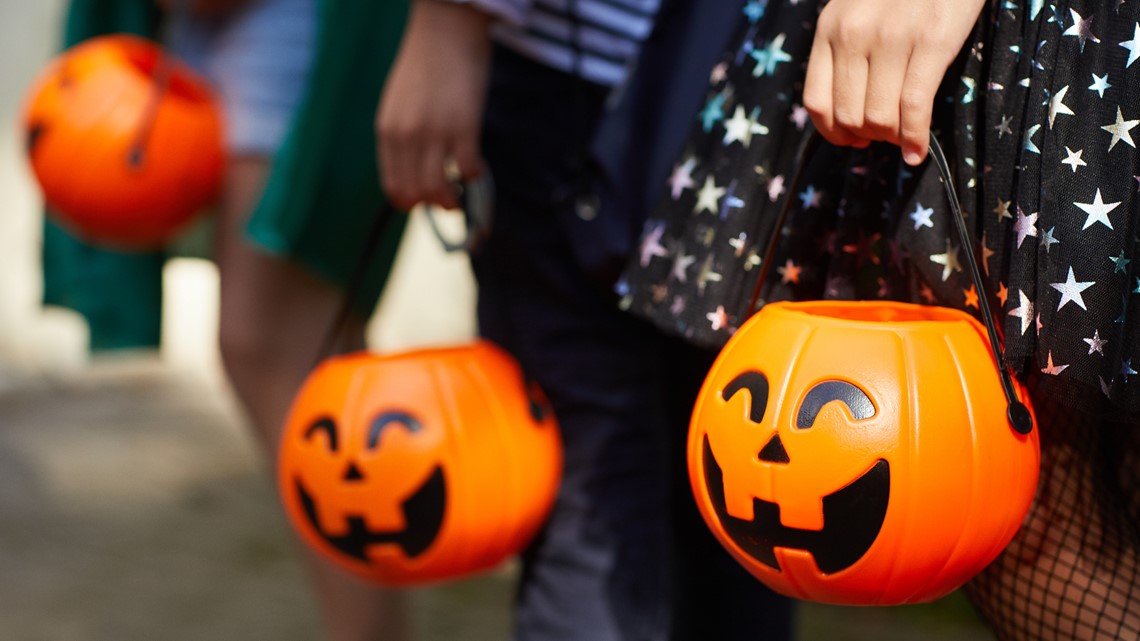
{"x": 625, "y": 554}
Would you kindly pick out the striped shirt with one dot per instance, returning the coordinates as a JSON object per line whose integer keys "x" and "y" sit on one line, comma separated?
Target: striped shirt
{"x": 608, "y": 33}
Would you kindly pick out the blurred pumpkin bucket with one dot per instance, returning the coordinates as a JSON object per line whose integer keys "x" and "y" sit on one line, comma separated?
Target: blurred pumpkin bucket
{"x": 124, "y": 140}
{"x": 422, "y": 466}
{"x": 864, "y": 453}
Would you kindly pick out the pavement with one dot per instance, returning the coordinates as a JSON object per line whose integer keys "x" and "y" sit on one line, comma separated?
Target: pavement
{"x": 134, "y": 505}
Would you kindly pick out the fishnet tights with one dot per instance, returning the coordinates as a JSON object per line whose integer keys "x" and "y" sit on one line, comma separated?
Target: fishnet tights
{"x": 1071, "y": 572}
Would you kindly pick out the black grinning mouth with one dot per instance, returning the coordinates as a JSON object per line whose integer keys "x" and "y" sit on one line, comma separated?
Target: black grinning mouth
{"x": 423, "y": 513}
{"x": 852, "y": 517}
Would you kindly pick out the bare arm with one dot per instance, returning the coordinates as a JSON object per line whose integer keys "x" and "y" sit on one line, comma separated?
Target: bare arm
{"x": 432, "y": 107}
{"x": 876, "y": 65}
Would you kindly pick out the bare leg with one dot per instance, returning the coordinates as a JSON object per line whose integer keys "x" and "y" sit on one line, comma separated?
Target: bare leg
{"x": 274, "y": 316}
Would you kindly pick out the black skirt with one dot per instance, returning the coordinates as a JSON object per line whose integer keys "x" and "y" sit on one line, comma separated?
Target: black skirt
{"x": 1040, "y": 116}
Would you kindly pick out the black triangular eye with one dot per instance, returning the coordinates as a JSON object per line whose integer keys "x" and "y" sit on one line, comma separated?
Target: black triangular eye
{"x": 327, "y": 426}
{"x": 757, "y": 386}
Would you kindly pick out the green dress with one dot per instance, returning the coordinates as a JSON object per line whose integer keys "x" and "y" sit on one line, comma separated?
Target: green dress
{"x": 321, "y": 198}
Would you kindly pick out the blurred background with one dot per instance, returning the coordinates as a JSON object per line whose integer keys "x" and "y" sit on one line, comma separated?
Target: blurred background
{"x": 133, "y": 503}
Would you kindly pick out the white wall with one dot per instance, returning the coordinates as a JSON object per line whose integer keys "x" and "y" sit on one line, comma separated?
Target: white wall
{"x": 28, "y": 338}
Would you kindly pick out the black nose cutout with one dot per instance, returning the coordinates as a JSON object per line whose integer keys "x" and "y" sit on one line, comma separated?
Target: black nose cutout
{"x": 774, "y": 451}
{"x": 353, "y": 473}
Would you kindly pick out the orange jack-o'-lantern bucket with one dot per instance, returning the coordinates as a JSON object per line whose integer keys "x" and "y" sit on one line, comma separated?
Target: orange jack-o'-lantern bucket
{"x": 863, "y": 453}
{"x": 419, "y": 466}
{"x": 124, "y": 140}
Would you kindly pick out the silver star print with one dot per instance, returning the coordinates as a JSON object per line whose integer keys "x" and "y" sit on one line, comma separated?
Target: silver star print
{"x": 987, "y": 253}
{"x": 680, "y": 264}
{"x": 1133, "y": 47}
{"x": 773, "y": 55}
{"x": 921, "y": 217}
{"x": 1126, "y": 369}
{"x": 1057, "y": 106}
{"x": 718, "y": 319}
{"x": 1096, "y": 343}
{"x": 1002, "y": 209}
{"x": 1026, "y": 225}
{"x": 810, "y": 197}
{"x": 1048, "y": 240}
{"x": 1052, "y": 369}
{"x": 1074, "y": 159}
{"x": 1071, "y": 291}
{"x": 738, "y": 244}
{"x": 1024, "y": 312}
{"x": 678, "y": 305}
{"x": 1120, "y": 263}
{"x": 776, "y": 188}
{"x": 752, "y": 259}
{"x": 790, "y": 272}
{"x": 731, "y": 201}
{"x": 1031, "y": 146}
{"x": 1097, "y": 211}
{"x": 1003, "y": 127}
{"x": 705, "y": 275}
{"x": 755, "y": 9}
{"x": 718, "y": 74}
{"x": 713, "y": 111}
{"x": 708, "y": 199}
{"x": 799, "y": 116}
{"x": 1120, "y": 130}
{"x": 948, "y": 260}
{"x": 971, "y": 87}
{"x": 1100, "y": 84}
{"x": 682, "y": 177}
{"x": 741, "y": 127}
{"x": 1082, "y": 29}
{"x": 651, "y": 245}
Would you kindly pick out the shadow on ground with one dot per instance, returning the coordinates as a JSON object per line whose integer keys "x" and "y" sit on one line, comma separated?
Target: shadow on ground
{"x": 133, "y": 506}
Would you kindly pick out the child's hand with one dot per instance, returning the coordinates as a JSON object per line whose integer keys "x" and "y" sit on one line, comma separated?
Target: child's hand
{"x": 432, "y": 109}
{"x": 876, "y": 64}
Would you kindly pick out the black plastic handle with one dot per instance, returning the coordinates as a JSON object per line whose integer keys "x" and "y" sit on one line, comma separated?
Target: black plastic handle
{"x": 1016, "y": 412}
{"x": 477, "y": 200}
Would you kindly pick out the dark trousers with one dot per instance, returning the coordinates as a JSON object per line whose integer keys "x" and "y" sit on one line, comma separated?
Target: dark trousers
{"x": 625, "y": 554}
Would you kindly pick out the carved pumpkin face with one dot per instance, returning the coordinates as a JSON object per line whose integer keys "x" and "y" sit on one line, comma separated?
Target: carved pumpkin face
{"x": 122, "y": 159}
{"x": 421, "y": 466}
{"x": 858, "y": 453}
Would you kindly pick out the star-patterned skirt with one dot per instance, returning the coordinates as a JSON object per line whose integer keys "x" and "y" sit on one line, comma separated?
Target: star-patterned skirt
{"x": 1040, "y": 117}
